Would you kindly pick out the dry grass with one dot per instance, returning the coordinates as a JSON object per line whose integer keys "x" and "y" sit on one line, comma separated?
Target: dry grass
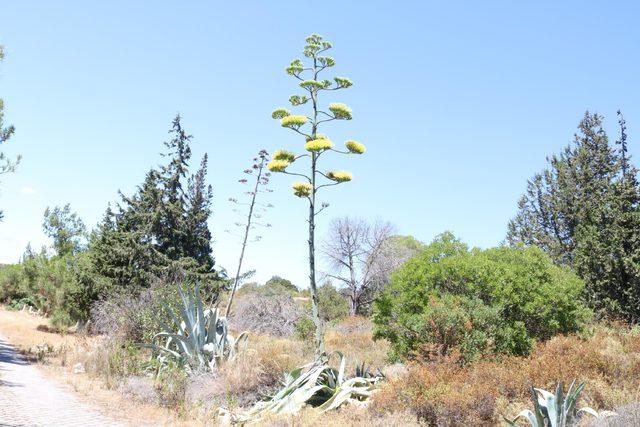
{"x": 348, "y": 416}
{"x": 353, "y": 337}
{"x": 25, "y": 331}
{"x": 441, "y": 393}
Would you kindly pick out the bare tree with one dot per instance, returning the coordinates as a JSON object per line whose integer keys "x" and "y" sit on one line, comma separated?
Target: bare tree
{"x": 395, "y": 251}
{"x": 354, "y": 250}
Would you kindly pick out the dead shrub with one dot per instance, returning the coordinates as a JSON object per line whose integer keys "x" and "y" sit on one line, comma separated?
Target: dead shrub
{"x": 141, "y": 389}
{"x": 121, "y": 316}
{"x": 276, "y": 315}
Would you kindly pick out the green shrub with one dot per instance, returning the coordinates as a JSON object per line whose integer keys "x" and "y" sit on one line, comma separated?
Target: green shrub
{"x": 478, "y": 301}
{"x": 332, "y": 305}
{"x": 10, "y": 283}
{"x": 305, "y": 328}
{"x": 56, "y": 286}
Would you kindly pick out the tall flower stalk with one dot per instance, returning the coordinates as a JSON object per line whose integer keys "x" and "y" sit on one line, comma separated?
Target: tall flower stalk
{"x": 316, "y": 145}
{"x": 254, "y": 209}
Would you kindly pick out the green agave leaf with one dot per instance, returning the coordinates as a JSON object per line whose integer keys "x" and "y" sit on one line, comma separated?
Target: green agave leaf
{"x": 202, "y": 331}
{"x": 187, "y": 345}
{"x": 343, "y": 365}
{"x": 527, "y": 415}
{"x": 537, "y": 408}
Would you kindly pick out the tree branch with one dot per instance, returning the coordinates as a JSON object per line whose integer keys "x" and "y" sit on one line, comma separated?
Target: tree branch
{"x": 297, "y": 174}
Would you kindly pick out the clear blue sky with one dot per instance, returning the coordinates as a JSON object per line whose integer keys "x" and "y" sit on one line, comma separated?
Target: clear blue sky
{"x": 458, "y": 103}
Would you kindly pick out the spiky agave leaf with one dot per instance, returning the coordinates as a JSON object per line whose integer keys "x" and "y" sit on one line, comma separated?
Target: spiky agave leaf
{"x": 527, "y": 415}
{"x": 196, "y": 337}
{"x": 556, "y": 410}
{"x": 317, "y": 384}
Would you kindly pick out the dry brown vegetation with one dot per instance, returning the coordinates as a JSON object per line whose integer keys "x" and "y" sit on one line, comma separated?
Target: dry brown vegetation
{"x": 27, "y": 332}
{"x": 447, "y": 394}
{"x": 440, "y": 393}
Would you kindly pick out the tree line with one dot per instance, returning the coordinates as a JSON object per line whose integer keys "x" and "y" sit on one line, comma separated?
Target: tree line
{"x": 158, "y": 234}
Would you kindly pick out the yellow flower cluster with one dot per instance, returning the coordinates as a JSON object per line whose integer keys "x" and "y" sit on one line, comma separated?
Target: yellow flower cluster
{"x": 284, "y": 155}
{"x": 293, "y": 121}
{"x": 340, "y": 176}
{"x": 302, "y": 189}
{"x": 318, "y": 145}
{"x": 277, "y": 165}
{"x": 340, "y": 111}
{"x": 295, "y": 68}
{"x": 312, "y": 84}
{"x": 355, "y": 147}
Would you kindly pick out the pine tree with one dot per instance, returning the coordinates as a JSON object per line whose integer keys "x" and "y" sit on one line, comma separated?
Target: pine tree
{"x": 162, "y": 230}
{"x": 172, "y": 236}
{"x": 199, "y": 199}
{"x": 584, "y": 211}
{"x": 66, "y": 229}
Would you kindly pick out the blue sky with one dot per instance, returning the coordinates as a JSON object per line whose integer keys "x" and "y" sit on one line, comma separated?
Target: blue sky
{"x": 458, "y": 103}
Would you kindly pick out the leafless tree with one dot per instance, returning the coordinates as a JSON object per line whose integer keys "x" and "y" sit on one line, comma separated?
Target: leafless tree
{"x": 395, "y": 251}
{"x": 354, "y": 250}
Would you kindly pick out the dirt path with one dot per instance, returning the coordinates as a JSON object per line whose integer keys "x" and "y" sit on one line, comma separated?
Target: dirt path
{"x": 28, "y": 399}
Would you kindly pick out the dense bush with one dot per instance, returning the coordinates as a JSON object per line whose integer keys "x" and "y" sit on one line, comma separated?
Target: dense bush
{"x": 56, "y": 286}
{"x": 126, "y": 318}
{"x": 331, "y": 303}
{"x": 477, "y": 301}
{"x": 274, "y": 286}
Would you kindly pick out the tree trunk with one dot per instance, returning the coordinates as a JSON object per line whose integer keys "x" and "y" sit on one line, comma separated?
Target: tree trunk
{"x": 353, "y": 303}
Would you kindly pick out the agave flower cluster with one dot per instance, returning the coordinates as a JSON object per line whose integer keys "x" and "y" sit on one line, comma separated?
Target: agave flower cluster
{"x": 339, "y": 176}
{"x": 315, "y": 144}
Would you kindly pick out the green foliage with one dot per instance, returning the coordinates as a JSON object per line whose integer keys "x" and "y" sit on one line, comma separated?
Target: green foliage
{"x": 305, "y": 328}
{"x": 194, "y": 337}
{"x": 556, "y": 410}
{"x": 317, "y": 384}
{"x": 161, "y": 231}
{"x": 279, "y": 286}
{"x": 65, "y": 228}
{"x": 584, "y": 211}
{"x": 332, "y": 304}
{"x": 275, "y": 286}
{"x": 53, "y": 285}
{"x": 11, "y": 283}
{"x": 6, "y": 164}
{"x": 477, "y": 301}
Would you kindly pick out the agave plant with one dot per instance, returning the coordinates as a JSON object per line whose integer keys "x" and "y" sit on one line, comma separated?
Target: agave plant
{"x": 316, "y": 384}
{"x": 194, "y": 337}
{"x": 556, "y": 410}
